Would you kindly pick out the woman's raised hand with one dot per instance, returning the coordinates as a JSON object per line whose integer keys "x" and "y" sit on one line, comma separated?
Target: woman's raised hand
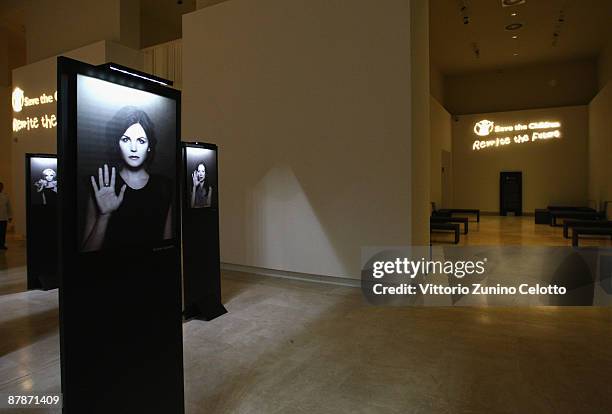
{"x": 40, "y": 185}
{"x": 104, "y": 192}
{"x": 195, "y": 179}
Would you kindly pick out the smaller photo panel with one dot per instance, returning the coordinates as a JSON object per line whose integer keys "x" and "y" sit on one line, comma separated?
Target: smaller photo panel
{"x": 201, "y": 177}
{"x": 43, "y": 181}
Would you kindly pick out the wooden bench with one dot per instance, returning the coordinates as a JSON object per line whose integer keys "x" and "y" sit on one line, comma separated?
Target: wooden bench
{"x": 577, "y": 231}
{"x": 571, "y": 208}
{"x": 449, "y": 219}
{"x": 456, "y": 228}
{"x": 448, "y": 212}
{"x": 573, "y": 214}
{"x": 567, "y": 224}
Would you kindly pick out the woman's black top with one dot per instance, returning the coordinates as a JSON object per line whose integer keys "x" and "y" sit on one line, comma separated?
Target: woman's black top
{"x": 50, "y": 197}
{"x": 140, "y": 220}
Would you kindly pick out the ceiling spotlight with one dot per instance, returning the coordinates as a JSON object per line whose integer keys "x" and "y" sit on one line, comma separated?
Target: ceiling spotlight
{"x": 515, "y": 37}
{"x": 513, "y": 14}
{"x": 515, "y": 54}
{"x": 514, "y": 26}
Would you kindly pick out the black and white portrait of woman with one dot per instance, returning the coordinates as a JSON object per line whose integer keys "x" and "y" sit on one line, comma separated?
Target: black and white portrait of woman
{"x": 201, "y": 163}
{"x": 128, "y": 167}
{"x": 201, "y": 192}
{"x": 43, "y": 173}
{"x": 47, "y": 186}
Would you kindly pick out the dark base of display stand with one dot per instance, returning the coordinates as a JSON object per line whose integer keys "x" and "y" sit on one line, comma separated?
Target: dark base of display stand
{"x": 42, "y": 282}
{"x": 204, "y": 314}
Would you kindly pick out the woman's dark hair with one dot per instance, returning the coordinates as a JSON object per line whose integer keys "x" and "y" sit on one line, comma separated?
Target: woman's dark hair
{"x": 206, "y": 183}
{"x": 123, "y": 119}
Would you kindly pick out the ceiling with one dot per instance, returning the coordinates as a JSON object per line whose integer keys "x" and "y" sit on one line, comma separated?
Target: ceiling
{"x": 12, "y": 16}
{"x": 582, "y": 34}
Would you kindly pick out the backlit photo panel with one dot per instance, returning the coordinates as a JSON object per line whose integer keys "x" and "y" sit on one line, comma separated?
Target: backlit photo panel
{"x": 201, "y": 185}
{"x": 43, "y": 186}
{"x": 126, "y": 166}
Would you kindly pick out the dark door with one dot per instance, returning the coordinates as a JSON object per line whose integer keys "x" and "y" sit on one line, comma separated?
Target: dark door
{"x": 511, "y": 193}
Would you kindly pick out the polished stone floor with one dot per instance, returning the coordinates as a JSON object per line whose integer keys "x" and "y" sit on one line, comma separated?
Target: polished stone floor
{"x": 297, "y": 347}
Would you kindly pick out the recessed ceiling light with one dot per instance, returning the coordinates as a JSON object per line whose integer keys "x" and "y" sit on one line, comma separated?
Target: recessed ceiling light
{"x": 515, "y": 37}
{"x": 510, "y": 3}
{"x": 515, "y": 54}
{"x": 513, "y": 14}
{"x": 514, "y": 26}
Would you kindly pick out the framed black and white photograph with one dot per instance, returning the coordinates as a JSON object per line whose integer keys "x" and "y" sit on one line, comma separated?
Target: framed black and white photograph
{"x": 120, "y": 302}
{"x": 42, "y": 237}
{"x": 43, "y": 181}
{"x": 201, "y": 176}
{"x": 126, "y": 165}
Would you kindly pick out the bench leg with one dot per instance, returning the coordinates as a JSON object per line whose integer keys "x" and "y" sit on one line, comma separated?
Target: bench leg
{"x": 575, "y": 238}
{"x": 478, "y": 217}
{"x": 457, "y": 236}
{"x": 465, "y": 229}
{"x": 565, "y": 231}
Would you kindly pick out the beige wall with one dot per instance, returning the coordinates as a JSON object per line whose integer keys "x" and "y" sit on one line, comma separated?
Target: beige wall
{"x": 56, "y": 26}
{"x": 312, "y": 117}
{"x": 542, "y": 86}
{"x": 554, "y": 171}
{"x": 200, "y": 4}
{"x": 12, "y": 55}
{"x": 604, "y": 65}
{"x": 600, "y": 147}
{"x": 38, "y": 78}
{"x": 129, "y": 23}
{"x": 156, "y": 31}
{"x": 436, "y": 82}
{"x": 5, "y": 140}
{"x": 420, "y": 139}
{"x": 441, "y": 139}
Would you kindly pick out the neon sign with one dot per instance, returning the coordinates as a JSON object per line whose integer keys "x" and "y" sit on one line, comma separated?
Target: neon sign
{"x": 519, "y": 133}
{"x": 21, "y": 101}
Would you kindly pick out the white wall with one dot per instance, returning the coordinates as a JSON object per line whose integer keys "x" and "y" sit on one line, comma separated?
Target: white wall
{"x": 38, "y": 78}
{"x": 600, "y": 147}
{"x": 441, "y": 139}
{"x": 554, "y": 171}
{"x": 309, "y": 103}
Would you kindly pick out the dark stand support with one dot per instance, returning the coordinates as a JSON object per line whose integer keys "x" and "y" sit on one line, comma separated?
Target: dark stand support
{"x": 201, "y": 258}
{"x": 511, "y": 193}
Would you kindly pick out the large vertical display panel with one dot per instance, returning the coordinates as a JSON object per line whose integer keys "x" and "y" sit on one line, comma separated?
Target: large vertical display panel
{"x": 41, "y": 220}
{"x": 120, "y": 286}
{"x": 201, "y": 258}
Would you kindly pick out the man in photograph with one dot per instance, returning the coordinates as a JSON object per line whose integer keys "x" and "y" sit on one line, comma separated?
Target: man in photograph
{"x": 5, "y": 216}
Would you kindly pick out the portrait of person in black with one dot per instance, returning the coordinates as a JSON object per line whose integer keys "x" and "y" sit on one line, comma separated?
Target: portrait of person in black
{"x": 47, "y": 187}
{"x": 128, "y": 205}
{"x": 201, "y": 192}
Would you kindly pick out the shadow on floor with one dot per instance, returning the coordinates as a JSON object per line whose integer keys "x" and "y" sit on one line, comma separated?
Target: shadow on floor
{"x": 26, "y": 330}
